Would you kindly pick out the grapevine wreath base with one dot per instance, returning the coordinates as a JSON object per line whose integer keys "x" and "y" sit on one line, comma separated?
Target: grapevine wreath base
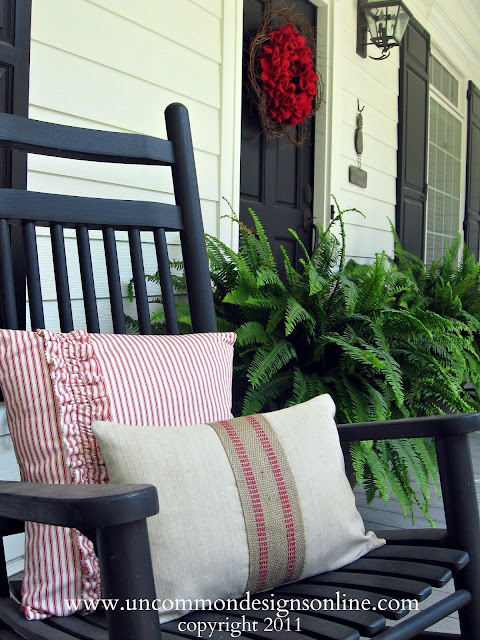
{"x": 281, "y": 70}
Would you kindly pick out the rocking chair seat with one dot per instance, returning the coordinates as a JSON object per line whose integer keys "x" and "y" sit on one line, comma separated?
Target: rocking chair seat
{"x": 388, "y": 577}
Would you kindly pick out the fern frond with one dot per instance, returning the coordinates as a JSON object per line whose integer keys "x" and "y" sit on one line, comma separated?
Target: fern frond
{"x": 262, "y": 398}
{"x": 251, "y": 333}
{"x": 295, "y": 313}
{"x": 269, "y": 360}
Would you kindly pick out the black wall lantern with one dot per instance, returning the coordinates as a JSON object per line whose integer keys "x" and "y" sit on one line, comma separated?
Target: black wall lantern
{"x": 385, "y": 20}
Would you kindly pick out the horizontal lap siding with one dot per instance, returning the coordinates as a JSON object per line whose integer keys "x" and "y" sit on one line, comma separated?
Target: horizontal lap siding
{"x": 115, "y": 65}
{"x": 375, "y": 84}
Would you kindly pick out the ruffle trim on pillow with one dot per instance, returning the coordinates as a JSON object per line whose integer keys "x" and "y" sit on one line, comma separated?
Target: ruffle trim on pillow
{"x": 81, "y": 398}
{"x": 80, "y": 395}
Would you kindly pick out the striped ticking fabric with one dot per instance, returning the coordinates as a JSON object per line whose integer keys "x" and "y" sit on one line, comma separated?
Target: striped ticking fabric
{"x": 55, "y": 385}
{"x": 269, "y": 499}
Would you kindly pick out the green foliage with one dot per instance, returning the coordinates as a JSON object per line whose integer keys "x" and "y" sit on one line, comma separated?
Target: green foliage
{"x": 387, "y": 340}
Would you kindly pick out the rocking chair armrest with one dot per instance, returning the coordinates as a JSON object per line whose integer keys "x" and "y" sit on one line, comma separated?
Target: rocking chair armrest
{"x": 432, "y": 426}
{"x": 77, "y": 506}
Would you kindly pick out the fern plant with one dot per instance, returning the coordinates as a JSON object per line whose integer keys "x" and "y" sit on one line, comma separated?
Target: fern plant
{"x": 450, "y": 286}
{"x": 386, "y": 340}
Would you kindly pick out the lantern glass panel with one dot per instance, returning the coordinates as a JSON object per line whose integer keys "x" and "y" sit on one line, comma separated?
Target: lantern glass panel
{"x": 386, "y": 24}
{"x": 373, "y": 15}
{"x": 400, "y": 25}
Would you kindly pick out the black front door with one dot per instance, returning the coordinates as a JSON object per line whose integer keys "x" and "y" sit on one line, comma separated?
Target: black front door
{"x": 276, "y": 178}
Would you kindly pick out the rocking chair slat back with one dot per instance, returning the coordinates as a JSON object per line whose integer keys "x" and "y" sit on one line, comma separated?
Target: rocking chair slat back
{"x": 61, "y": 141}
{"x": 58, "y": 212}
{"x": 95, "y": 213}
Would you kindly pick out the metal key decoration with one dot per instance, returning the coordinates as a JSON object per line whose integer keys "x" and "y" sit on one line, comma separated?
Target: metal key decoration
{"x": 356, "y": 175}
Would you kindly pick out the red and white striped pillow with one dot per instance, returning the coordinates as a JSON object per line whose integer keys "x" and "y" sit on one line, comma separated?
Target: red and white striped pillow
{"x": 55, "y": 385}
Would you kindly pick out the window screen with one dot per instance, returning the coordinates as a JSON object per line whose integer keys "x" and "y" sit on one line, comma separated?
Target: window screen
{"x": 444, "y": 175}
{"x": 443, "y": 81}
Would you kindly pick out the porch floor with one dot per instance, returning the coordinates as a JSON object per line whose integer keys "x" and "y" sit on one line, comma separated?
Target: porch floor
{"x": 377, "y": 515}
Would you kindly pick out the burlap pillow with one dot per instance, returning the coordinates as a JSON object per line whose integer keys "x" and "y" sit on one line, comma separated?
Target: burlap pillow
{"x": 245, "y": 504}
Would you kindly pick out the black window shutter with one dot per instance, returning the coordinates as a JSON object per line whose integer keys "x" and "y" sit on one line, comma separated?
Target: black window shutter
{"x": 472, "y": 195}
{"x": 412, "y": 138}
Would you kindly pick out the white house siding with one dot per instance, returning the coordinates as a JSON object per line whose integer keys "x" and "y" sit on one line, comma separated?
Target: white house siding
{"x": 375, "y": 85}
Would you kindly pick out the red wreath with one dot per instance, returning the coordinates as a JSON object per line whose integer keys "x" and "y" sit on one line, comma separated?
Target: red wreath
{"x": 288, "y": 76}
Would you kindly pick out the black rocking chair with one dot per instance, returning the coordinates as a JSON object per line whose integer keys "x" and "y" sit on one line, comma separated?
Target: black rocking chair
{"x": 115, "y": 516}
